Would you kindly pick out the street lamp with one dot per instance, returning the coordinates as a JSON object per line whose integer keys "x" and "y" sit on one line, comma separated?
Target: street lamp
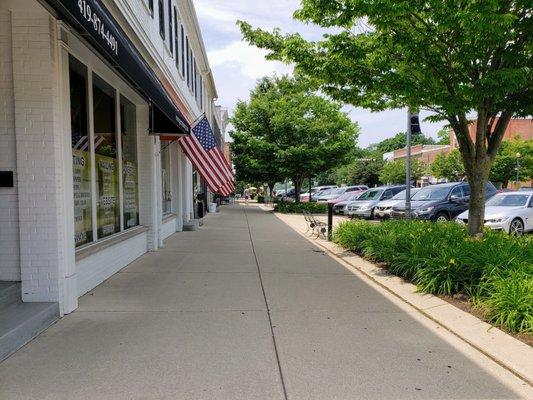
{"x": 518, "y": 155}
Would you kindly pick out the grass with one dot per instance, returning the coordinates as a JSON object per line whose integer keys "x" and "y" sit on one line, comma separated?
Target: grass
{"x": 291, "y": 208}
{"x": 495, "y": 272}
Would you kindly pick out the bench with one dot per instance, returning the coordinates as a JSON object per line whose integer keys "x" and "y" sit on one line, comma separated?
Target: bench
{"x": 317, "y": 227}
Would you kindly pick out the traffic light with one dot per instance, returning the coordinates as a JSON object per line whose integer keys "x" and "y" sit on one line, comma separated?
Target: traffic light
{"x": 415, "y": 124}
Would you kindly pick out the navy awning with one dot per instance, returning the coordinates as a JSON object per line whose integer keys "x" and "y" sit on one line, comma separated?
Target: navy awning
{"x": 96, "y": 24}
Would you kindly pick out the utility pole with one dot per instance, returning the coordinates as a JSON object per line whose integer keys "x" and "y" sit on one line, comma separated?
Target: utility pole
{"x": 413, "y": 128}
{"x": 408, "y": 168}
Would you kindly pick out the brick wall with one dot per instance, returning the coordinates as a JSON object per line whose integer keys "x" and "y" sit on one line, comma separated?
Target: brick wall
{"x": 521, "y": 127}
{"x": 9, "y": 227}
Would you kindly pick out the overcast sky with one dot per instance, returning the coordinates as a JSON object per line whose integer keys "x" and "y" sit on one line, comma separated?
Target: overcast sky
{"x": 236, "y": 65}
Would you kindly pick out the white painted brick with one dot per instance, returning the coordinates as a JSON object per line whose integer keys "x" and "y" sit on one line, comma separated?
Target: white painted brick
{"x": 9, "y": 230}
{"x": 93, "y": 270}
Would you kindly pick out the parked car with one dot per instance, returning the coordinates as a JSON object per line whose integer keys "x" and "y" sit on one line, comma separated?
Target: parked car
{"x": 338, "y": 192}
{"x": 341, "y": 206}
{"x": 364, "y": 206}
{"x": 442, "y": 202}
{"x": 304, "y": 197}
{"x": 510, "y": 212}
{"x": 348, "y": 194}
{"x": 384, "y": 208}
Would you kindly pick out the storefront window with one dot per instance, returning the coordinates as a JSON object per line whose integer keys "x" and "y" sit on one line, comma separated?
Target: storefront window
{"x": 105, "y": 147}
{"x": 81, "y": 157}
{"x": 129, "y": 163}
{"x": 165, "y": 177}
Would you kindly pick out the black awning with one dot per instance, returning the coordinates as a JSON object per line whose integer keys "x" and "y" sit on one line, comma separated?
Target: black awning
{"x": 96, "y": 24}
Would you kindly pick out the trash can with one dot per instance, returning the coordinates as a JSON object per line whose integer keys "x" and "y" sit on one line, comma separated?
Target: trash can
{"x": 200, "y": 208}
{"x": 212, "y": 207}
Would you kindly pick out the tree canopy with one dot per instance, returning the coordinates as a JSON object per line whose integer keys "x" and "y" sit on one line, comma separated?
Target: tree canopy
{"x": 505, "y": 164}
{"x": 453, "y": 57}
{"x": 394, "y": 171}
{"x": 448, "y": 166}
{"x": 399, "y": 141}
{"x": 286, "y": 130}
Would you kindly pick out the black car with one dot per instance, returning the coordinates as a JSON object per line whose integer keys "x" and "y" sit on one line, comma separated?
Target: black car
{"x": 441, "y": 202}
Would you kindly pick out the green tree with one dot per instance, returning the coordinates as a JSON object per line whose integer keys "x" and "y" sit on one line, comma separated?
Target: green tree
{"x": 504, "y": 168}
{"x": 448, "y": 166}
{"x": 399, "y": 141}
{"x": 454, "y": 58}
{"x": 253, "y": 161}
{"x": 444, "y": 136}
{"x": 365, "y": 171}
{"x": 394, "y": 171}
{"x": 302, "y": 134}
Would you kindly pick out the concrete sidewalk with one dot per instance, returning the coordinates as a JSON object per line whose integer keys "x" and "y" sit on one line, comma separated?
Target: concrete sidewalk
{"x": 245, "y": 308}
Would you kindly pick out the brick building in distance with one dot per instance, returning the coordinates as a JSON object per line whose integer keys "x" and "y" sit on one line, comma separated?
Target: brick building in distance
{"x": 521, "y": 128}
{"x": 518, "y": 128}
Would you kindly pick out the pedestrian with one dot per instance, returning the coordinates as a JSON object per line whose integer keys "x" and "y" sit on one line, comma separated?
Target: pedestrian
{"x": 246, "y": 195}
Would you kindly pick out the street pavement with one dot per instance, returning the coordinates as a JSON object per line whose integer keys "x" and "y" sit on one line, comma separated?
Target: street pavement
{"x": 245, "y": 308}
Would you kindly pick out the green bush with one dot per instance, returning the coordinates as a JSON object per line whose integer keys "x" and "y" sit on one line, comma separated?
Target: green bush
{"x": 288, "y": 208}
{"x": 496, "y": 270}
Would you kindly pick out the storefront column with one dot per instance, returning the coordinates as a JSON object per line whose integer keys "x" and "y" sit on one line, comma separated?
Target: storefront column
{"x": 149, "y": 195}
{"x": 186, "y": 194}
{"x": 39, "y": 143}
{"x": 176, "y": 184}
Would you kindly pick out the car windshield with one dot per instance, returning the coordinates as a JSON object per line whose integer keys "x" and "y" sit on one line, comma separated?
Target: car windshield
{"x": 431, "y": 193}
{"x": 401, "y": 195}
{"x": 508, "y": 200}
{"x": 370, "y": 195}
{"x": 335, "y": 192}
{"x": 348, "y": 196}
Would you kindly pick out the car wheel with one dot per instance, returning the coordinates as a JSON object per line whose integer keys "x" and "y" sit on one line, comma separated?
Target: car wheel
{"x": 517, "y": 227}
{"x": 442, "y": 217}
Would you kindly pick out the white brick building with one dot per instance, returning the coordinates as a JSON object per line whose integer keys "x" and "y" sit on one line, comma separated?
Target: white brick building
{"x": 99, "y": 178}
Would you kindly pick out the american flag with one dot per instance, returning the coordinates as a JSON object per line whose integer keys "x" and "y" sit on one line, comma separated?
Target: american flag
{"x": 81, "y": 142}
{"x": 202, "y": 149}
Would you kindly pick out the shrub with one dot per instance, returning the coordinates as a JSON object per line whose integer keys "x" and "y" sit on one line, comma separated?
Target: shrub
{"x": 287, "y": 208}
{"x": 495, "y": 270}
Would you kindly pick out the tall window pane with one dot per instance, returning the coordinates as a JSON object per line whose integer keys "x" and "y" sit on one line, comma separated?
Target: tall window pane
{"x": 130, "y": 188}
{"x": 161, "y": 9}
{"x": 188, "y": 62}
{"x": 182, "y": 41}
{"x": 105, "y": 146}
{"x": 170, "y": 36}
{"x": 81, "y": 159}
{"x": 176, "y": 38}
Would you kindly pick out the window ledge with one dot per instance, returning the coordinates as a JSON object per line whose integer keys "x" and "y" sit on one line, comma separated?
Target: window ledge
{"x": 93, "y": 248}
{"x": 168, "y": 217}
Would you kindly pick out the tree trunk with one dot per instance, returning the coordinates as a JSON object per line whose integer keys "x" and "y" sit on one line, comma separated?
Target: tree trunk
{"x": 271, "y": 190}
{"x": 297, "y": 187}
{"x": 478, "y": 156}
{"x": 476, "y": 208}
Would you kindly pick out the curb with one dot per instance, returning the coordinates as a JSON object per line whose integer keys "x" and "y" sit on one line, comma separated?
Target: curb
{"x": 508, "y": 352}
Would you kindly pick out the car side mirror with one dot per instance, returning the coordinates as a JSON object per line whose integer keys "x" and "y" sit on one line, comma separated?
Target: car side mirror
{"x": 454, "y": 198}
